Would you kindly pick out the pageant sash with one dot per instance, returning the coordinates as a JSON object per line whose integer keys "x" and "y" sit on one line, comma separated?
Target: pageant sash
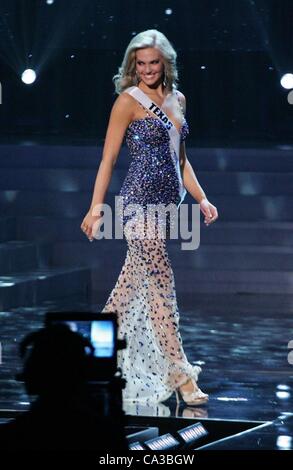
{"x": 174, "y": 135}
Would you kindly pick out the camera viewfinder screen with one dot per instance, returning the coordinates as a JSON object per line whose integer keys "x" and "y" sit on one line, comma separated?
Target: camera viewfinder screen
{"x": 102, "y": 338}
{"x": 100, "y": 333}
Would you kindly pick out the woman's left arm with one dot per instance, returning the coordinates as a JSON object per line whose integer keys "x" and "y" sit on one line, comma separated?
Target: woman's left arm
{"x": 191, "y": 182}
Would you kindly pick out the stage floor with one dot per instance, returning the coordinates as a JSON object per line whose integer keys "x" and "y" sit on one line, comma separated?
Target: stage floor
{"x": 240, "y": 341}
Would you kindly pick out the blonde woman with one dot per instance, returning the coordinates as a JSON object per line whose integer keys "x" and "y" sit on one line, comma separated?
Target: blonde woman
{"x": 150, "y": 113}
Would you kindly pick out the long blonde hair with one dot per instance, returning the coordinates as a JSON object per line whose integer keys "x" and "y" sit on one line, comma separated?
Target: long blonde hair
{"x": 126, "y": 75}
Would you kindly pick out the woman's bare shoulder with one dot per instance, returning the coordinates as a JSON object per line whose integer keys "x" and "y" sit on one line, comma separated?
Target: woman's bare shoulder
{"x": 124, "y": 98}
{"x": 124, "y": 105}
{"x": 125, "y": 101}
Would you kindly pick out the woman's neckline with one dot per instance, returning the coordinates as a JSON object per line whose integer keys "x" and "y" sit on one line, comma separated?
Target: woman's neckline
{"x": 156, "y": 119}
{"x": 171, "y": 120}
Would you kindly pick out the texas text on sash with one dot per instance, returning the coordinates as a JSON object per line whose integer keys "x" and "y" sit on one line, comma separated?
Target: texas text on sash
{"x": 161, "y": 115}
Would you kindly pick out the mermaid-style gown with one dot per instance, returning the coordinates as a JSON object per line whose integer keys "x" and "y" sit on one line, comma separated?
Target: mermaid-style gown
{"x": 144, "y": 298}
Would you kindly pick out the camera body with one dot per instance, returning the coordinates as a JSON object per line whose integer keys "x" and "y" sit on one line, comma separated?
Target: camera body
{"x": 100, "y": 329}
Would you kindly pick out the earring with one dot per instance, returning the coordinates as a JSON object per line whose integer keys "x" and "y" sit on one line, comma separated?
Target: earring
{"x": 164, "y": 80}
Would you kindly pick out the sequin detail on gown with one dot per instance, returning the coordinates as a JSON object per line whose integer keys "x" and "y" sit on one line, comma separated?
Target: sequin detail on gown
{"x": 144, "y": 297}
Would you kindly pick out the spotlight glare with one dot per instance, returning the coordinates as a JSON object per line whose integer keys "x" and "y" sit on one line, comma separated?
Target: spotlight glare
{"x": 168, "y": 11}
{"x": 28, "y": 76}
{"x": 287, "y": 81}
{"x": 283, "y": 395}
{"x": 283, "y": 387}
{"x": 49, "y": 2}
{"x": 284, "y": 442}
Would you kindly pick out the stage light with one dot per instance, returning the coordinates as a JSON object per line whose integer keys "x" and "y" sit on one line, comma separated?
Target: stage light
{"x": 283, "y": 391}
{"x": 165, "y": 442}
{"x": 283, "y": 387}
{"x": 287, "y": 81}
{"x": 49, "y": 2}
{"x": 284, "y": 442}
{"x": 191, "y": 433}
{"x": 168, "y": 11}
{"x": 28, "y": 76}
{"x": 283, "y": 395}
{"x": 136, "y": 446}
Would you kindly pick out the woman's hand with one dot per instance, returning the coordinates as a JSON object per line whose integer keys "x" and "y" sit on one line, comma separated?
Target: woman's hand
{"x": 209, "y": 211}
{"x": 90, "y": 225}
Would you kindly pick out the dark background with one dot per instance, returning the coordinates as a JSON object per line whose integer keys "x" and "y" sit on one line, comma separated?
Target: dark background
{"x": 231, "y": 56}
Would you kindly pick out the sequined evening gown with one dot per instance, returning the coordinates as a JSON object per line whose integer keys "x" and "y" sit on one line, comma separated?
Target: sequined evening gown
{"x": 144, "y": 298}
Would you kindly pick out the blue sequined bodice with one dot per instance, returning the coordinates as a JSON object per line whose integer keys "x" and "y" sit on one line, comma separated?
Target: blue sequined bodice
{"x": 151, "y": 178}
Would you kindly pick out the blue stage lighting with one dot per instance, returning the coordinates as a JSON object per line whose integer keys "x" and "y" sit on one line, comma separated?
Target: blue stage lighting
{"x": 192, "y": 433}
{"x": 136, "y": 446}
{"x": 165, "y": 442}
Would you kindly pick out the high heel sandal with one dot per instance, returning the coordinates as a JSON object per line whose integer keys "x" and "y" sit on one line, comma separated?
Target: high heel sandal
{"x": 196, "y": 397}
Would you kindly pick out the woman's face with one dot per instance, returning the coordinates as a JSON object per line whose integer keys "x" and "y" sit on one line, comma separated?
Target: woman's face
{"x": 149, "y": 65}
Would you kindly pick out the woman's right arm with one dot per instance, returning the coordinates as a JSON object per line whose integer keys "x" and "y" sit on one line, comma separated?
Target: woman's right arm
{"x": 120, "y": 118}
